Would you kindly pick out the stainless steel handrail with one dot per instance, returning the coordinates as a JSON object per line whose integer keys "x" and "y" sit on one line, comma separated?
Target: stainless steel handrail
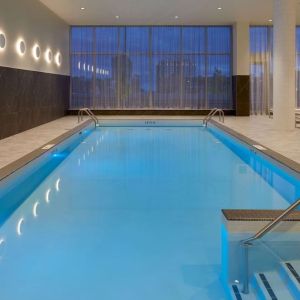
{"x": 89, "y": 113}
{"x": 261, "y": 233}
{"x": 212, "y": 113}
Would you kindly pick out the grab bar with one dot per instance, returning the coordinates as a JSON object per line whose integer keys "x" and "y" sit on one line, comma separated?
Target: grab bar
{"x": 212, "y": 113}
{"x": 89, "y": 113}
{"x": 261, "y": 233}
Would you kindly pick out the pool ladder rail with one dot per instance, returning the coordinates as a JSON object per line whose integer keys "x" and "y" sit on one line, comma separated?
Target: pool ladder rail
{"x": 212, "y": 113}
{"x": 88, "y": 112}
{"x": 261, "y": 233}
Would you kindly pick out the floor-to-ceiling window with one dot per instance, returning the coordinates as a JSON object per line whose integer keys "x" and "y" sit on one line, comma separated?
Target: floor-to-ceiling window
{"x": 151, "y": 67}
{"x": 261, "y": 68}
{"x": 298, "y": 67}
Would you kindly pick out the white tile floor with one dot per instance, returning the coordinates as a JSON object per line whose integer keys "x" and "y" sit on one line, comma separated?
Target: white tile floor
{"x": 261, "y": 129}
{"x": 257, "y": 128}
{"x": 16, "y": 146}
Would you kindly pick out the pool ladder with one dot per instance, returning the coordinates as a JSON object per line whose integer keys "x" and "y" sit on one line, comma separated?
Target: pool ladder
{"x": 88, "y": 112}
{"x": 246, "y": 244}
{"x": 212, "y": 113}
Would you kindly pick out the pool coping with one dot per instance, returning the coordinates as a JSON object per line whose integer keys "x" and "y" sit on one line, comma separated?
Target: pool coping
{"x": 284, "y": 161}
{"x": 18, "y": 164}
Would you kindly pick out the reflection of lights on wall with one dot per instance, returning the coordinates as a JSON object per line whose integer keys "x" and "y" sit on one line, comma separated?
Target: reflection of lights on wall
{"x": 57, "y": 183}
{"x": 21, "y": 47}
{"x": 19, "y": 226}
{"x": 84, "y": 67}
{"x": 58, "y": 59}
{"x": 47, "y": 195}
{"x": 48, "y": 56}
{"x": 79, "y": 161}
{"x": 36, "y": 52}
{"x": 2, "y": 41}
{"x": 79, "y": 65}
{"x": 34, "y": 209}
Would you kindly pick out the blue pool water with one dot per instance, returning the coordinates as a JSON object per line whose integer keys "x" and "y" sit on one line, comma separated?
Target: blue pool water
{"x": 134, "y": 213}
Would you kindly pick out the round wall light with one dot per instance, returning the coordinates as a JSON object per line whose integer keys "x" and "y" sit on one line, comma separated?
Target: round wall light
{"x": 36, "y": 52}
{"x": 58, "y": 59}
{"x": 21, "y": 47}
{"x": 48, "y": 56}
{"x": 2, "y": 41}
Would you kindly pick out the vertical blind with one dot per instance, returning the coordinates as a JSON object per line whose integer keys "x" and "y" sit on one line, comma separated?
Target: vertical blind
{"x": 261, "y": 68}
{"x": 151, "y": 67}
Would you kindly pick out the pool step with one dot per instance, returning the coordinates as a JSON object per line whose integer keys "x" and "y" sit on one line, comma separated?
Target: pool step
{"x": 271, "y": 286}
{"x": 281, "y": 285}
{"x": 290, "y": 272}
{"x": 236, "y": 293}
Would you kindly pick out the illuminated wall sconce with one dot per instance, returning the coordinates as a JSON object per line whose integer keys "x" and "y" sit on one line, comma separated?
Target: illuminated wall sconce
{"x": 36, "y": 52}
{"x": 58, "y": 59}
{"x": 2, "y": 41}
{"x": 48, "y": 56}
{"x": 21, "y": 47}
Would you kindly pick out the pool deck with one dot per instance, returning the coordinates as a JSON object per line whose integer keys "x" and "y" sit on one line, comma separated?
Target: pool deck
{"x": 261, "y": 129}
{"x": 257, "y": 128}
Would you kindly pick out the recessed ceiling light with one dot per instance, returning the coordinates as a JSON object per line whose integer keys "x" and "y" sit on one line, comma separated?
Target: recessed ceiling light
{"x": 270, "y": 20}
{"x": 176, "y": 17}
{"x": 117, "y": 17}
{"x": 82, "y": 8}
{"x": 219, "y": 8}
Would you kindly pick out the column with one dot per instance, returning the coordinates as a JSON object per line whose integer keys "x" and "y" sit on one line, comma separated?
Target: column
{"x": 241, "y": 63}
{"x": 284, "y": 85}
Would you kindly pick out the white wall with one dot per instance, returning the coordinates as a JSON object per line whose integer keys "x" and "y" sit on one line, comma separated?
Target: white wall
{"x": 35, "y": 23}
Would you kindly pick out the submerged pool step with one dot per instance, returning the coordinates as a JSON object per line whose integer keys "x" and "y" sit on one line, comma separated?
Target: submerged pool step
{"x": 290, "y": 272}
{"x": 236, "y": 293}
{"x": 271, "y": 286}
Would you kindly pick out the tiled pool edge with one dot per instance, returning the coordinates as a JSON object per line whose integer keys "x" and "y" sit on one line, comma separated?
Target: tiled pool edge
{"x": 286, "y": 162}
{"x": 28, "y": 158}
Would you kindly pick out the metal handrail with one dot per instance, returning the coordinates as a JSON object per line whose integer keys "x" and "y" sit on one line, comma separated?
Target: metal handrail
{"x": 261, "y": 233}
{"x": 212, "y": 113}
{"x": 89, "y": 113}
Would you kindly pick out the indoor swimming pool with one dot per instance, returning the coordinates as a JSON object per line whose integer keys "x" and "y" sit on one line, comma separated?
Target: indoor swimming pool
{"x": 132, "y": 213}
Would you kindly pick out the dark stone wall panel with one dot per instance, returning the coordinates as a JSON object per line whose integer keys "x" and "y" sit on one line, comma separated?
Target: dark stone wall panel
{"x": 29, "y": 99}
{"x": 241, "y": 94}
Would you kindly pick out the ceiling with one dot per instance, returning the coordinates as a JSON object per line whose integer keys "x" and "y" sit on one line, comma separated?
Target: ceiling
{"x": 162, "y": 12}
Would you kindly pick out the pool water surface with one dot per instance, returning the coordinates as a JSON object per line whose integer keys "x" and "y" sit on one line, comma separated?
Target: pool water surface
{"x": 133, "y": 213}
